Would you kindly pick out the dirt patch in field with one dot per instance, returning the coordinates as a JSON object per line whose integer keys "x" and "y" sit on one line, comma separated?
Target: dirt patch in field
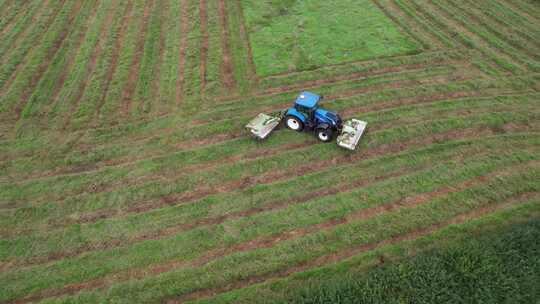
{"x": 184, "y": 30}
{"x": 204, "y": 43}
{"x": 227, "y": 75}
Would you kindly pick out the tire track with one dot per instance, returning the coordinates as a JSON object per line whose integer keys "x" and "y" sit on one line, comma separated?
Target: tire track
{"x": 185, "y": 28}
{"x": 375, "y": 107}
{"x": 247, "y": 44}
{"x": 216, "y": 139}
{"x": 130, "y": 86}
{"x": 203, "y": 15}
{"x": 371, "y": 72}
{"x": 227, "y": 74}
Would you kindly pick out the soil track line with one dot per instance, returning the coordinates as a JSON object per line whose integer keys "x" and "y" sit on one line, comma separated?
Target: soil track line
{"x": 130, "y": 86}
{"x": 227, "y": 75}
{"x": 57, "y": 44}
{"x": 364, "y": 109}
{"x": 247, "y": 44}
{"x": 203, "y": 8}
{"x": 91, "y": 65}
{"x": 350, "y": 252}
{"x": 275, "y": 176}
{"x": 184, "y": 29}
{"x": 114, "y": 60}
{"x": 338, "y": 161}
{"x": 216, "y": 139}
{"x": 270, "y": 241}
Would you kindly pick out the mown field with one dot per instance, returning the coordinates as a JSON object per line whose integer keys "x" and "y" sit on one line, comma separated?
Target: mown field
{"x": 127, "y": 176}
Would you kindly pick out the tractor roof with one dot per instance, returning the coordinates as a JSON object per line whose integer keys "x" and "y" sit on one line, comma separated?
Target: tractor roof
{"x": 308, "y": 99}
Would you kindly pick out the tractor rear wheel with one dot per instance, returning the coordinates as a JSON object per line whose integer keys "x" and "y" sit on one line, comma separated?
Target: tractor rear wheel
{"x": 294, "y": 123}
{"x": 325, "y": 135}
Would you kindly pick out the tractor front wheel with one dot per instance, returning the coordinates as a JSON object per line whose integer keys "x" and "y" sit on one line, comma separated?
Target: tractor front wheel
{"x": 294, "y": 123}
{"x": 325, "y": 135}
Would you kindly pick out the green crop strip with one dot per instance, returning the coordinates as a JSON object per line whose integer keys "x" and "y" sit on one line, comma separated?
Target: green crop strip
{"x": 172, "y": 215}
{"x": 293, "y": 252}
{"x": 238, "y": 148}
{"x": 313, "y": 40}
{"x": 375, "y": 196}
{"x": 208, "y": 130}
{"x": 285, "y": 290}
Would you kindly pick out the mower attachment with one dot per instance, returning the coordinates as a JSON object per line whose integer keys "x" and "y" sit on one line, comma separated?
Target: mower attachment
{"x": 351, "y": 133}
{"x": 262, "y": 125}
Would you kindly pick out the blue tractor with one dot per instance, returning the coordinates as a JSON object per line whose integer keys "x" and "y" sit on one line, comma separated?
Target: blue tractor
{"x": 306, "y": 115}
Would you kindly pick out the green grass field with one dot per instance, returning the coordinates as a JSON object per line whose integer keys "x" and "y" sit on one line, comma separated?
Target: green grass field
{"x": 126, "y": 175}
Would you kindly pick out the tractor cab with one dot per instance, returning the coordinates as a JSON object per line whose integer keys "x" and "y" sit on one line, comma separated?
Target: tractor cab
{"x": 307, "y": 115}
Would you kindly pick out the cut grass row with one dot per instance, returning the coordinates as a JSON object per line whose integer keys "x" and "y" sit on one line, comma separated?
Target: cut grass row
{"x": 175, "y": 160}
{"x": 470, "y": 37}
{"x": 56, "y": 94}
{"x": 490, "y": 35}
{"x": 170, "y": 66}
{"x": 317, "y": 210}
{"x": 199, "y": 131}
{"x": 213, "y": 83}
{"x": 180, "y": 207}
{"x": 36, "y": 14}
{"x": 98, "y": 83}
{"x": 125, "y": 130}
{"x": 242, "y": 56}
{"x": 427, "y": 25}
{"x": 204, "y": 212}
{"x": 186, "y": 158}
{"x": 39, "y": 59}
{"x": 146, "y": 95}
{"x": 167, "y": 167}
{"x": 507, "y": 29}
{"x": 310, "y": 250}
{"x": 192, "y": 80}
{"x": 112, "y": 101}
{"x": 11, "y": 24}
{"x": 468, "y": 228}
{"x": 25, "y": 48}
